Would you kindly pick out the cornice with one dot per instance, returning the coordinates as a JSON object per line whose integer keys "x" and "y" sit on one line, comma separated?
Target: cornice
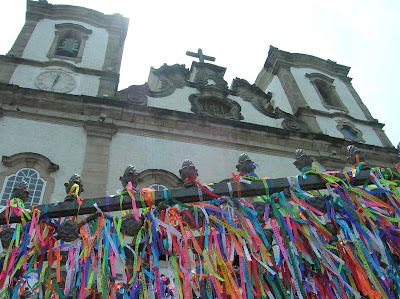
{"x": 185, "y": 127}
{"x": 23, "y": 61}
{"x": 278, "y": 58}
{"x": 339, "y": 114}
{"x": 44, "y": 10}
{"x": 100, "y": 129}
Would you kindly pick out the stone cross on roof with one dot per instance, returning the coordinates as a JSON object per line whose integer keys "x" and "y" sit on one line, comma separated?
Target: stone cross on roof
{"x": 200, "y": 56}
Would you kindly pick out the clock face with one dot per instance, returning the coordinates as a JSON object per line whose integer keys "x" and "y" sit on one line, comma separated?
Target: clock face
{"x": 56, "y": 81}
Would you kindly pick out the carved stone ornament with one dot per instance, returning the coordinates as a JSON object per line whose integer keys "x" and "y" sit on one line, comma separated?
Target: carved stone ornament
{"x": 398, "y": 152}
{"x": 330, "y": 227}
{"x": 260, "y": 100}
{"x": 259, "y": 207}
{"x": 130, "y": 226}
{"x": 6, "y": 236}
{"x": 68, "y": 231}
{"x": 75, "y": 179}
{"x": 171, "y": 78}
{"x": 268, "y": 232}
{"x": 209, "y": 75}
{"x": 21, "y": 191}
{"x": 302, "y": 160}
{"x": 245, "y": 165}
{"x": 293, "y": 124}
{"x": 215, "y": 105}
{"x": 317, "y": 202}
{"x": 174, "y": 76}
{"x": 135, "y": 94}
{"x": 187, "y": 171}
{"x": 186, "y": 218}
{"x": 130, "y": 175}
{"x": 26, "y": 294}
{"x": 354, "y": 155}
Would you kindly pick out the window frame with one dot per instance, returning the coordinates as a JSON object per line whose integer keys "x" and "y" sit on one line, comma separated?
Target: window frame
{"x": 32, "y": 195}
{"x": 336, "y": 103}
{"x": 62, "y": 30}
{"x": 162, "y": 177}
{"x": 342, "y": 124}
{"x": 40, "y": 163}
{"x": 157, "y": 186}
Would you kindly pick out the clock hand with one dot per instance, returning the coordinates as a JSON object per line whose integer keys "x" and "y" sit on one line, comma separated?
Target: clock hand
{"x": 56, "y": 80}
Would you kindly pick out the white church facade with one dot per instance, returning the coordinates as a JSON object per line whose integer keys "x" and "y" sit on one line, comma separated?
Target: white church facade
{"x": 61, "y": 112}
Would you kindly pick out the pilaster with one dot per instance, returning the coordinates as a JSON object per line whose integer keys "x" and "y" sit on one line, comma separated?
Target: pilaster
{"x": 296, "y": 99}
{"x": 95, "y": 165}
{"x": 19, "y": 46}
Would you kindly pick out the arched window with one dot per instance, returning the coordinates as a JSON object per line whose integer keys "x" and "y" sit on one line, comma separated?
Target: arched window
{"x": 326, "y": 91}
{"x": 33, "y": 168}
{"x": 36, "y": 186}
{"x": 157, "y": 187}
{"x": 158, "y": 179}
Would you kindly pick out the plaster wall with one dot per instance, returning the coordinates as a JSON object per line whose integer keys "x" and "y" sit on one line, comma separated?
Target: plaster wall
{"x": 313, "y": 100}
{"x": 63, "y": 145}
{"x": 25, "y": 75}
{"x": 279, "y": 95}
{"x": 328, "y": 126}
{"x": 178, "y": 101}
{"x": 213, "y": 163}
{"x": 253, "y": 116}
{"x": 42, "y": 38}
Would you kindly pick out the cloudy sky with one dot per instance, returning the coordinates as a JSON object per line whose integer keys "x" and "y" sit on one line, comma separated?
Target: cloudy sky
{"x": 362, "y": 34}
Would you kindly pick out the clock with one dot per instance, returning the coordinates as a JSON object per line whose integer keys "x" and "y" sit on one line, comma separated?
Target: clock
{"x": 56, "y": 81}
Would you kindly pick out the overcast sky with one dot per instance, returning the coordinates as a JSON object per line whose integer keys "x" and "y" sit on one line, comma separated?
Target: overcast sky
{"x": 362, "y": 34}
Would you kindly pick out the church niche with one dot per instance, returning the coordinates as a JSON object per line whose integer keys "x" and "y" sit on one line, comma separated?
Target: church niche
{"x": 69, "y": 42}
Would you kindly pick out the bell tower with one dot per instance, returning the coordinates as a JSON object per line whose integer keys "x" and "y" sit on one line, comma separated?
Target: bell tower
{"x": 66, "y": 49}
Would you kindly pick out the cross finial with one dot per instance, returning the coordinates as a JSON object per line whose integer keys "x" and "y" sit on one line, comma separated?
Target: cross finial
{"x": 200, "y": 56}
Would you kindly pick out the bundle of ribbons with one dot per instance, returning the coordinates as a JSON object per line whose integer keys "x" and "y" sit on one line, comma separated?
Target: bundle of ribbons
{"x": 222, "y": 248}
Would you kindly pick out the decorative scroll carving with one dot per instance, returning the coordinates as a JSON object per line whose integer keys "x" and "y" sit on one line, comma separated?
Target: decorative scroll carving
{"x": 209, "y": 75}
{"x": 174, "y": 76}
{"x": 293, "y": 124}
{"x": 260, "y": 100}
{"x": 171, "y": 78}
{"x": 188, "y": 171}
{"x": 216, "y": 105}
{"x": 135, "y": 94}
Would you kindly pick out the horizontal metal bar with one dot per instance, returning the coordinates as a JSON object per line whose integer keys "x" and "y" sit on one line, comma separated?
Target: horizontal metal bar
{"x": 184, "y": 195}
